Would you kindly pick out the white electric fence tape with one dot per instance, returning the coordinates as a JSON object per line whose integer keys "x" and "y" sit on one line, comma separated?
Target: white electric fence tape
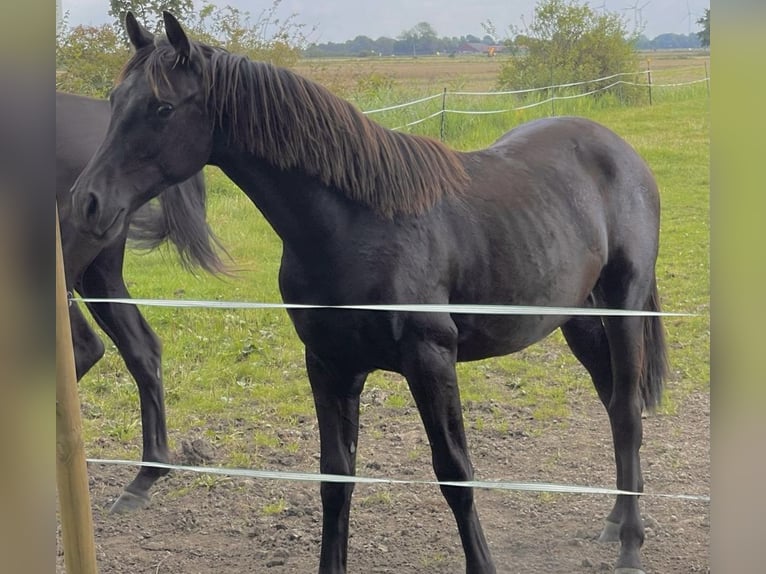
{"x": 338, "y": 478}
{"x": 405, "y": 308}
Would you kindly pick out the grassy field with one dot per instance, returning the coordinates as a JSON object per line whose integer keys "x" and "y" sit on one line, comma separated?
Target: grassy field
{"x": 431, "y": 74}
{"x": 419, "y": 88}
{"x": 223, "y": 365}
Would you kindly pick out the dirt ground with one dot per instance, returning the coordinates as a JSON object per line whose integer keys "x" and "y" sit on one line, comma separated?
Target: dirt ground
{"x": 198, "y": 525}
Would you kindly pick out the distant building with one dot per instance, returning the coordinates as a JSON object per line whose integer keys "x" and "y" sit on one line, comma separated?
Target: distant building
{"x": 479, "y": 48}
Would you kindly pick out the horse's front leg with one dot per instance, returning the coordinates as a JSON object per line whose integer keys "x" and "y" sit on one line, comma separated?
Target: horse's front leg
{"x": 429, "y": 352}
{"x": 78, "y": 255}
{"x": 88, "y": 347}
{"x": 336, "y": 398}
{"x": 141, "y": 350}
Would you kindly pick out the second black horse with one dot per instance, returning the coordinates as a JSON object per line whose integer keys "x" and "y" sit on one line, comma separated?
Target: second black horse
{"x": 93, "y": 267}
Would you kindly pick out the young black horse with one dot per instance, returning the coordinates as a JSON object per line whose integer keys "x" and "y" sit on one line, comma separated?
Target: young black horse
{"x": 93, "y": 267}
{"x": 558, "y": 212}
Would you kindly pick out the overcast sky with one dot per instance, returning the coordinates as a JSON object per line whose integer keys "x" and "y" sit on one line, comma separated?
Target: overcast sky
{"x": 341, "y": 20}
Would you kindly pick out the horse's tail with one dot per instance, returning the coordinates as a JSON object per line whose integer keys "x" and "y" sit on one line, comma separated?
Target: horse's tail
{"x": 655, "y": 366}
{"x": 180, "y": 218}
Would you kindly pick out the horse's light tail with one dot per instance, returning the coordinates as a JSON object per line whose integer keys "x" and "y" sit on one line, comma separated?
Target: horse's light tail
{"x": 655, "y": 367}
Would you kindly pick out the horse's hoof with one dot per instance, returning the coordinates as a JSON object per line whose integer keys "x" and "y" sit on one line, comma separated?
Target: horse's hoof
{"x": 129, "y": 502}
{"x": 611, "y": 533}
{"x": 628, "y": 571}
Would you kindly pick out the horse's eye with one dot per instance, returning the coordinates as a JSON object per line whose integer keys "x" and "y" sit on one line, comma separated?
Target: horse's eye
{"x": 164, "y": 110}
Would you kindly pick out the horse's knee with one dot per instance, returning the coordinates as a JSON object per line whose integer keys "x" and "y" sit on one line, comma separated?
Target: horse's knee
{"x": 450, "y": 458}
{"x": 143, "y": 358}
{"x": 625, "y": 417}
{"x": 455, "y": 468}
{"x": 459, "y": 498}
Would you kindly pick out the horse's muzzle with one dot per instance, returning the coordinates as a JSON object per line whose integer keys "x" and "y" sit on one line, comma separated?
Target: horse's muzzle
{"x": 91, "y": 218}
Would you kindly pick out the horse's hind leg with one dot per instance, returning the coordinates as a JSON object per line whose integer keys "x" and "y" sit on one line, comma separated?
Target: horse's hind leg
{"x": 336, "y": 398}
{"x": 428, "y": 356}
{"x": 140, "y": 348}
{"x": 625, "y": 339}
{"x": 586, "y": 336}
{"x": 627, "y": 284}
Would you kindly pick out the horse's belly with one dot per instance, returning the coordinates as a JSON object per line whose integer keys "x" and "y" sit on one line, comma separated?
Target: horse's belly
{"x": 480, "y": 337}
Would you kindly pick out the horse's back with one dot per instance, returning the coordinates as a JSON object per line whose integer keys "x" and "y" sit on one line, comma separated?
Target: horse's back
{"x": 627, "y": 188}
{"x": 81, "y": 124}
{"x": 552, "y": 203}
{"x": 569, "y": 146}
{"x": 583, "y": 174}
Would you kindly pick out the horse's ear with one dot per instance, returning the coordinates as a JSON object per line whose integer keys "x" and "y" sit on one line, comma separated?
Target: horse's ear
{"x": 176, "y": 36}
{"x": 139, "y": 36}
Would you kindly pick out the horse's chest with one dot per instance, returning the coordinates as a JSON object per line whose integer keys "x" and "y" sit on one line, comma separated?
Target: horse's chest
{"x": 364, "y": 338}
{"x": 368, "y": 338}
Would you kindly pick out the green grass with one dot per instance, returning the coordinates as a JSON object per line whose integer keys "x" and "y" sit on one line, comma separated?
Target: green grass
{"x": 237, "y": 377}
{"x": 433, "y": 560}
{"x": 377, "y": 498}
{"x": 275, "y": 508}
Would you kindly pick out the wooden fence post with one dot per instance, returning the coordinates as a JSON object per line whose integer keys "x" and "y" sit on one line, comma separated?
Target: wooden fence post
{"x": 552, "y": 95}
{"x": 71, "y": 471}
{"x": 649, "y": 79}
{"x": 444, "y": 114}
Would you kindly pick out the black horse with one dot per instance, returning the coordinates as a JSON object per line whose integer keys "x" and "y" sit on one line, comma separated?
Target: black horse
{"x": 93, "y": 266}
{"x": 558, "y": 212}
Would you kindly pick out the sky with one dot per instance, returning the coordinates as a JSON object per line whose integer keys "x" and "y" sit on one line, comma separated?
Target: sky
{"x": 341, "y": 20}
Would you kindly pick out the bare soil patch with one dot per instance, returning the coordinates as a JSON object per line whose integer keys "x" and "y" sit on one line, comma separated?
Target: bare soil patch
{"x": 230, "y": 525}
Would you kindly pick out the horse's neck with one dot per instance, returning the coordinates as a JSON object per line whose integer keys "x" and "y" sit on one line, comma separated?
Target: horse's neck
{"x": 302, "y": 211}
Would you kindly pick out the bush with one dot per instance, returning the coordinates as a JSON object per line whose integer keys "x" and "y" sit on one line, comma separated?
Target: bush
{"x": 568, "y": 42}
{"x": 268, "y": 38}
{"x": 89, "y": 59}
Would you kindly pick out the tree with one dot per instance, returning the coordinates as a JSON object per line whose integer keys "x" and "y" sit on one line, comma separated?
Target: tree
{"x": 704, "y": 34}
{"x": 568, "y": 42}
{"x": 675, "y": 41}
{"x": 149, "y": 12}
{"x": 421, "y": 39}
{"x": 490, "y": 30}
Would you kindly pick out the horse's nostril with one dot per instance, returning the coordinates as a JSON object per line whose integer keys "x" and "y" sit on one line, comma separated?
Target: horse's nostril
{"x": 91, "y": 207}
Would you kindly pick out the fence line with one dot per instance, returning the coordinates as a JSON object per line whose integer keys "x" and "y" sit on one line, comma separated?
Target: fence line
{"x": 421, "y": 120}
{"x": 452, "y": 308}
{"x": 455, "y": 308}
{"x": 404, "y": 105}
{"x": 554, "y": 86}
{"x": 689, "y": 83}
{"x": 551, "y": 99}
{"x": 534, "y": 104}
{"x": 342, "y": 478}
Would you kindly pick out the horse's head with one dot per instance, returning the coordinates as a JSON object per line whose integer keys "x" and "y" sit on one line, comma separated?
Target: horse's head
{"x": 160, "y": 132}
